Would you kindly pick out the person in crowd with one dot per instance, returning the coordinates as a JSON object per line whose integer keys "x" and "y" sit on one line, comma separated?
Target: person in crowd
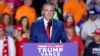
{"x": 47, "y": 29}
{"x": 8, "y": 21}
{"x": 20, "y": 40}
{"x": 94, "y": 47}
{"x": 74, "y": 38}
{"x": 58, "y": 12}
{"x": 26, "y": 10}
{"x": 25, "y": 24}
{"x": 4, "y": 7}
{"x": 89, "y": 27}
{"x": 7, "y": 45}
{"x": 70, "y": 19}
{"x": 78, "y": 10}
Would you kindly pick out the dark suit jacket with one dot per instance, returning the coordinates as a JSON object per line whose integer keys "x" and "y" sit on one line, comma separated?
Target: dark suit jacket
{"x": 38, "y": 33}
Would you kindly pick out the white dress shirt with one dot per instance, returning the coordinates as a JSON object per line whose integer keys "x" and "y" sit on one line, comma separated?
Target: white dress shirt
{"x": 11, "y": 47}
{"x": 45, "y": 24}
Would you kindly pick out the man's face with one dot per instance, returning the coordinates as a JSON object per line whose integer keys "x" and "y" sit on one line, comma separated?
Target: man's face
{"x": 1, "y": 32}
{"x": 93, "y": 17}
{"x": 48, "y": 12}
{"x": 28, "y": 2}
{"x": 96, "y": 38}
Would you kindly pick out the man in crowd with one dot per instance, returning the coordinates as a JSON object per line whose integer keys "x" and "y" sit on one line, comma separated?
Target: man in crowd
{"x": 89, "y": 27}
{"x": 26, "y": 10}
{"x": 94, "y": 48}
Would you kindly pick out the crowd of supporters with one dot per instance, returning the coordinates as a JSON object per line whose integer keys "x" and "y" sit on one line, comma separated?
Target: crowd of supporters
{"x": 81, "y": 20}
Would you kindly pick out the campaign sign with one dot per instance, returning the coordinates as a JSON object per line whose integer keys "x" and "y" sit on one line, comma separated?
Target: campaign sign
{"x": 50, "y": 49}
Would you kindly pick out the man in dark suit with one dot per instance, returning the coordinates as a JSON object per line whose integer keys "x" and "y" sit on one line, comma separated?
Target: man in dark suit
{"x": 47, "y": 29}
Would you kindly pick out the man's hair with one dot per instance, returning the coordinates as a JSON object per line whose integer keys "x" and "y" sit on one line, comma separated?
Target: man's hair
{"x": 49, "y": 3}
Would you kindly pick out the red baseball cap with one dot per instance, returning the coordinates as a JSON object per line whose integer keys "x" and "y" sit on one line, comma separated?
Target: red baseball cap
{"x": 3, "y": 26}
{"x": 19, "y": 27}
{"x": 97, "y": 31}
{"x": 68, "y": 25}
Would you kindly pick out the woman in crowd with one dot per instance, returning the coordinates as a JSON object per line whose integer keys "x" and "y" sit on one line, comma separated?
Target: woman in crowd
{"x": 70, "y": 19}
{"x": 73, "y": 38}
{"x": 18, "y": 32}
{"x": 7, "y": 45}
{"x": 7, "y": 20}
{"x": 25, "y": 24}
